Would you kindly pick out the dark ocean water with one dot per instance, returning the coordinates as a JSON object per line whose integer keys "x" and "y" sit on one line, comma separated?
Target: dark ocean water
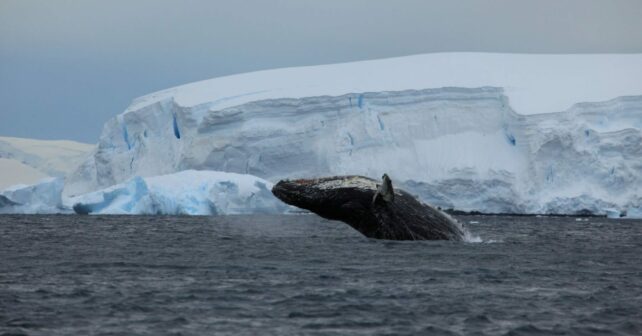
{"x": 282, "y": 275}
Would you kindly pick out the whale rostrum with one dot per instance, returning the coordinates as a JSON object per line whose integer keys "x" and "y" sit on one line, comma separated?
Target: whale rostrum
{"x": 377, "y": 211}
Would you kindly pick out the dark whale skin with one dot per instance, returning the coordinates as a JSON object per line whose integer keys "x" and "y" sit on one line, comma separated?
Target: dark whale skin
{"x": 350, "y": 200}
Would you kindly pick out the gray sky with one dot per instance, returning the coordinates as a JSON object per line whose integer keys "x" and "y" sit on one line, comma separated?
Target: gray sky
{"x": 67, "y": 66}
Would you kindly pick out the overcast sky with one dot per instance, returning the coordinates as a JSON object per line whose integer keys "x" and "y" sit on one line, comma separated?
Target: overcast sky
{"x": 67, "y": 66}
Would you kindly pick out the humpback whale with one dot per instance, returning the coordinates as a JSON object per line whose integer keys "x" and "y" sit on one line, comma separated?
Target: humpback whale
{"x": 377, "y": 211}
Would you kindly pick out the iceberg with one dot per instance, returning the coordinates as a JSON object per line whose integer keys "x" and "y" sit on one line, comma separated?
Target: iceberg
{"x": 495, "y": 133}
{"x": 40, "y": 198}
{"x": 634, "y": 212}
{"x": 184, "y": 193}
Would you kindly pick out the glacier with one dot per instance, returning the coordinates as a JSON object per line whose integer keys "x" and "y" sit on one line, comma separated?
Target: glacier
{"x": 495, "y": 133}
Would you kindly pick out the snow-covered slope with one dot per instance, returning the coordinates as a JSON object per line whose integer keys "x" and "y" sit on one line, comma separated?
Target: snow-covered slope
{"x": 535, "y": 83}
{"x": 14, "y": 172}
{"x": 487, "y": 132}
{"x": 26, "y": 161}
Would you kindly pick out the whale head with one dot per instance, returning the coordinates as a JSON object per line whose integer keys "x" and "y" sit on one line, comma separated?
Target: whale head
{"x": 354, "y": 201}
{"x": 338, "y": 197}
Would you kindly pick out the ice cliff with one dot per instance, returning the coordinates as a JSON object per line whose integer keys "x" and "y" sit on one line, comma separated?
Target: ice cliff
{"x": 485, "y": 132}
